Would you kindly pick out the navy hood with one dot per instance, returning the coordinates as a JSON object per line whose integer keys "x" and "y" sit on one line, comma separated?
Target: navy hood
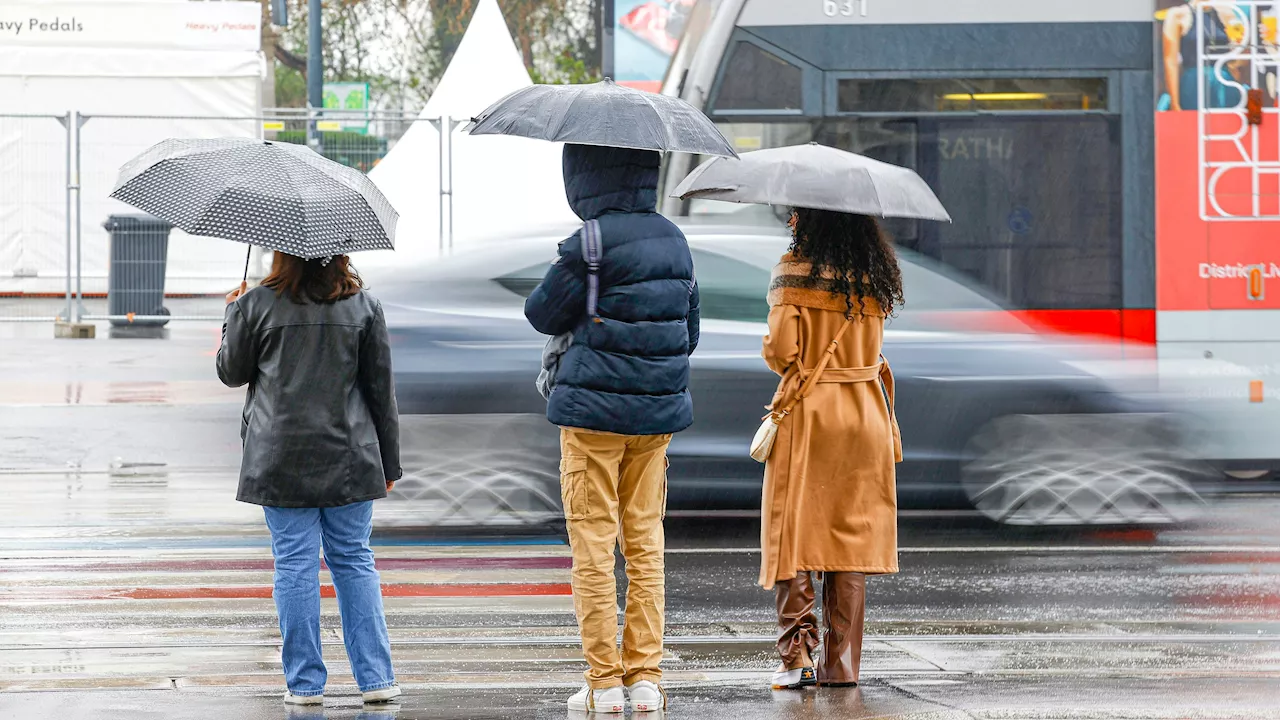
{"x": 599, "y": 180}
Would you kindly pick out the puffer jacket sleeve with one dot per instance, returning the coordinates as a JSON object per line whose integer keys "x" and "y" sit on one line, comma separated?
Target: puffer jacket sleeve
{"x": 560, "y": 300}
{"x": 695, "y": 317}
{"x": 238, "y": 354}
{"x": 377, "y": 383}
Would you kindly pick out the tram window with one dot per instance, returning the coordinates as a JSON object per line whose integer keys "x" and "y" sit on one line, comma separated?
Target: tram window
{"x": 970, "y": 94}
{"x": 756, "y": 79}
{"x": 1036, "y": 204}
{"x": 1036, "y": 200}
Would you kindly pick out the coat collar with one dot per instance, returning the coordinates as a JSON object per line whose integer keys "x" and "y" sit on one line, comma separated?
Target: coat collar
{"x": 792, "y": 283}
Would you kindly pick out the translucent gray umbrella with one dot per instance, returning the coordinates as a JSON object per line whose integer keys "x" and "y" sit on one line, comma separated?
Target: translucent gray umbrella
{"x": 278, "y": 196}
{"x": 603, "y": 113}
{"x": 815, "y": 176}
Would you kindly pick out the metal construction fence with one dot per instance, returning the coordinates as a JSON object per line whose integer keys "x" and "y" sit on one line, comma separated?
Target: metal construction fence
{"x": 56, "y": 176}
{"x": 35, "y": 215}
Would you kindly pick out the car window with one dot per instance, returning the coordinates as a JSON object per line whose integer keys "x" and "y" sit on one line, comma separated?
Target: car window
{"x": 929, "y": 286}
{"x": 729, "y": 289}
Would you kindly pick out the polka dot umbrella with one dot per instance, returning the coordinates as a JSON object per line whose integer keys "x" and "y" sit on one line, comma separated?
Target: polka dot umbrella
{"x": 278, "y": 196}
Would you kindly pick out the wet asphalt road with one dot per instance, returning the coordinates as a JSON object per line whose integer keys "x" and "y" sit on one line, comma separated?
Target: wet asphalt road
{"x": 132, "y": 585}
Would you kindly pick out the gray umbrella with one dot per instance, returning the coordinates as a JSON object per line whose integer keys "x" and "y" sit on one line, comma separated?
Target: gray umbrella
{"x": 815, "y": 176}
{"x": 603, "y": 113}
{"x": 279, "y": 196}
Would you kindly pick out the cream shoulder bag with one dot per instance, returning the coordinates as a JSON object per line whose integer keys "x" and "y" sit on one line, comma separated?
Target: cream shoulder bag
{"x": 762, "y": 443}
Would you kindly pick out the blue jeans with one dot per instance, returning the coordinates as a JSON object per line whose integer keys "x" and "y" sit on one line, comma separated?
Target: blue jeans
{"x": 296, "y": 537}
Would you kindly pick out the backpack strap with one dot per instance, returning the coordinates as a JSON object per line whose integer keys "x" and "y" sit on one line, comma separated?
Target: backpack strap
{"x": 591, "y": 253}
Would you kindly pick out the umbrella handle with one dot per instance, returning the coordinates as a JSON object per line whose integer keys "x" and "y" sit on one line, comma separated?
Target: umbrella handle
{"x": 244, "y": 284}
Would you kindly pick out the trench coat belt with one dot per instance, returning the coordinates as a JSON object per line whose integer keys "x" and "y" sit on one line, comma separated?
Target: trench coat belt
{"x": 847, "y": 375}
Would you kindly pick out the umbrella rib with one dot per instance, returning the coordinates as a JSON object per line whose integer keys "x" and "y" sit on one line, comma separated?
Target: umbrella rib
{"x": 875, "y": 189}
{"x": 175, "y": 162}
{"x": 302, "y": 201}
{"x": 232, "y": 182}
{"x": 227, "y": 183}
{"x": 568, "y": 110}
{"x": 658, "y": 113}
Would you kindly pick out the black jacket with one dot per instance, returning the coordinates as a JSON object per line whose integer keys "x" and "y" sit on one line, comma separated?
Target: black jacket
{"x": 628, "y": 371}
{"x": 320, "y": 425}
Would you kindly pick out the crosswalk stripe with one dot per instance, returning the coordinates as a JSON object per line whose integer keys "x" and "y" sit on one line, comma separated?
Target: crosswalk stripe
{"x": 244, "y": 592}
{"x": 266, "y": 565}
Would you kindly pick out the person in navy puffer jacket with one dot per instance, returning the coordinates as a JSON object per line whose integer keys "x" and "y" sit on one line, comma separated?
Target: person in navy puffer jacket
{"x": 621, "y": 390}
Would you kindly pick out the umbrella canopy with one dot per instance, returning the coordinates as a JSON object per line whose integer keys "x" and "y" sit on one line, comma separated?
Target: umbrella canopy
{"x": 278, "y": 196}
{"x": 815, "y": 176}
{"x": 603, "y": 113}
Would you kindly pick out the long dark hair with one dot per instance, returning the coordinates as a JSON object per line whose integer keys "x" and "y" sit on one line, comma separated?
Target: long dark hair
{"x": 850, "y": 254}
{"x": 310, "y": 280}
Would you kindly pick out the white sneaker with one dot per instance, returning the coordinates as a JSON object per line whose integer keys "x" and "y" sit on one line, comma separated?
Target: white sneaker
{"x": 612, "y": 701}
{"x": 291, "y": 699}
{"x": 386, "y": 694}
{"x": 647, "y": 696}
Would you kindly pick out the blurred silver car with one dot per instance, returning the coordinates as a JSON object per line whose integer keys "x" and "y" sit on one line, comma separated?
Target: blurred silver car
{"x": 998, "y": 419}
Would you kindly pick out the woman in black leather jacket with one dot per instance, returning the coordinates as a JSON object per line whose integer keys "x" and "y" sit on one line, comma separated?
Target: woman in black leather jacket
{"x": 321, "y": 442}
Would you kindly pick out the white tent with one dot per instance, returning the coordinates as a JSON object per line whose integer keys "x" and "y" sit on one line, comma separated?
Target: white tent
{"x": 502, "y": 186}
{"x": 142, "y": 71}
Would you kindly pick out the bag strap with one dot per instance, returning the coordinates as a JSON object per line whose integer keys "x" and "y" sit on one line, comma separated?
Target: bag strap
{"x": 808, "y": 384}
{"x": 591, "y": 254}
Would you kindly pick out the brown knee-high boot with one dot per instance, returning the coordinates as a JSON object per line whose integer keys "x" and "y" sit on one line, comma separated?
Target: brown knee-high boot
{"x": 797, "y": 623}
{"x": 844, "y": 606}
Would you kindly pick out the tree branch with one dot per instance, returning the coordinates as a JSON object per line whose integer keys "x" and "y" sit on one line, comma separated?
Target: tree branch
{"x": 295, "y": 62}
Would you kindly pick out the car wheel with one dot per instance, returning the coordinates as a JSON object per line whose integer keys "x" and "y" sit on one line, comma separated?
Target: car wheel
{"x": 475, "y": 471}
{"x": 1121, "y": 469}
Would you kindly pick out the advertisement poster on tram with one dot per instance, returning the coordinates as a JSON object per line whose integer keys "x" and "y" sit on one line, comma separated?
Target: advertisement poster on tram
{"x": 646, "y": 35}
{"x": 1217, "y": 154}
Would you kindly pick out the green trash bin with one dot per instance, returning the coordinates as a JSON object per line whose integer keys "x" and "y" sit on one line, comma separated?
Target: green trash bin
{"x": 135, "y": 276}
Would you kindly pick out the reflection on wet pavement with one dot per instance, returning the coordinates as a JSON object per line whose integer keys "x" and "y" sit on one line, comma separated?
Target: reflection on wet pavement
{"x": 160, "y": 580}
{"x": 132, "y": 581}
{"x": 964, "y": 698}
{"x": 178, "y": 392}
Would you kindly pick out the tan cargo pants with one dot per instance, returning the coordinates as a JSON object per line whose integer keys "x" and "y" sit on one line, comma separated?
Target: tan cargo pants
{"x": 614, "y": 489}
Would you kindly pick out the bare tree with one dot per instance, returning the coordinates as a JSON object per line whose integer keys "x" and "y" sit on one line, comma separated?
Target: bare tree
{"x": 402, "y": 47}
{"x": 545, "y": 31}
{"x": 381, "y": 42}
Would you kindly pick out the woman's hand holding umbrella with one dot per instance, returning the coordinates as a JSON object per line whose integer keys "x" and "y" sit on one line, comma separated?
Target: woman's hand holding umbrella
{"x": 235, "y": 294}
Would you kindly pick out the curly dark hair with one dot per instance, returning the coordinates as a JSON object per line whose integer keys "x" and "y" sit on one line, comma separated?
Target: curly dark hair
{"x": 855, "y": 250}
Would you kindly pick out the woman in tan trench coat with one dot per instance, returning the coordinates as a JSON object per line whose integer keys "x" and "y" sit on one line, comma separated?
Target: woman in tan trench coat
{"x": 829, "y": 502}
